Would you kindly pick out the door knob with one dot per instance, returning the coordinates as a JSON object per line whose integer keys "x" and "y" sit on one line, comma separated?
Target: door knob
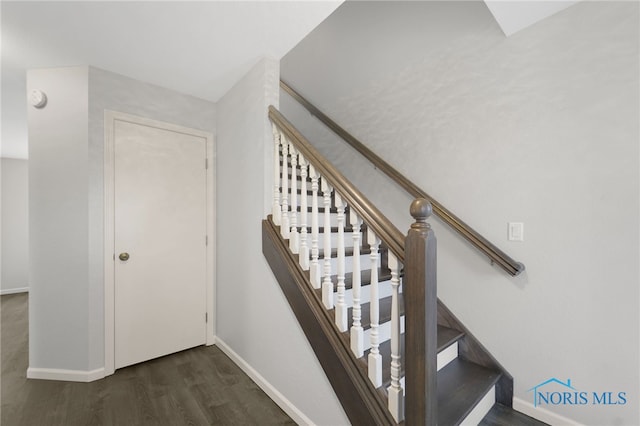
{"x": 124, "y": 256}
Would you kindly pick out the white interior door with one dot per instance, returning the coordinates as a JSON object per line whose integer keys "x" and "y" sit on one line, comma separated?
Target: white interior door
{"x": 159, "y": 235}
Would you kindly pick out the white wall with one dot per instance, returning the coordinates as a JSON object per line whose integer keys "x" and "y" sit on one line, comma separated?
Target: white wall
{"x": 15, "y": 226}
{"x": 540, "y": 128}
{"x": 253, "y": 317}
{"x": 66, "y": 143}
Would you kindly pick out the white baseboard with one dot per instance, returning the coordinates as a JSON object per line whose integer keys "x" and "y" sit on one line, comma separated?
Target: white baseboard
{"x": 65, "y": 375}
{"x": 286, "y": 405}
{"x": 542, "y": 414}
{"x": 14, "y": 290}
{"x": 211, "y": 340}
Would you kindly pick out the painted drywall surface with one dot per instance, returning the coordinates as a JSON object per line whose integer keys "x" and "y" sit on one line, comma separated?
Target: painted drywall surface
{"x": 66, "y": 195}
{"x": 116, "y": 92}
{"x": 253, "y": 316}
{"x": 512, "y": 16}
{"x": 58, "y": 220}
{"x": 540, "y": 128}
{"x": 149, "y": 44}
{"x": 15, "y": 225}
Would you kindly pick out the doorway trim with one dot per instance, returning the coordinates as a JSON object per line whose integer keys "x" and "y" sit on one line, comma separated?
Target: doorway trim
{"x": 110, "y": 118}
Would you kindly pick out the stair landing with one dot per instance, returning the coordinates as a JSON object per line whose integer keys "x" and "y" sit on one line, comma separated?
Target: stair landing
{"x": 501, "y": 415}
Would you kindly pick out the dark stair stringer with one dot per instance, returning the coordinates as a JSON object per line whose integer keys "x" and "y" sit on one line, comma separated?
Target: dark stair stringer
{"x": 461, "y": 383}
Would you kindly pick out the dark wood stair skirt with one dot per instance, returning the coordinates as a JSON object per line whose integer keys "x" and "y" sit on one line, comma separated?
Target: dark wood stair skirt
{"x": 361, "y": 403}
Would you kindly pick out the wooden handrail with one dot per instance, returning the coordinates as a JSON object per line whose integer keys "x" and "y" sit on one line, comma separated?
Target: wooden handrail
{"x": 496, "y": 255}
{"x": 379, "y": 224}
{"x": 417, "y": 253}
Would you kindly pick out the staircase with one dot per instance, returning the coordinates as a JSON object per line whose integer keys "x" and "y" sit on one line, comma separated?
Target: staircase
{"x": 365, "y": 296}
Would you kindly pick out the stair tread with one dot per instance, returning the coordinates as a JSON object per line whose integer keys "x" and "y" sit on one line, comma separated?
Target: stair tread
{"x": 348, "y": 251}
{"x": 321, "y": 209}
{"x": 299, "y": 191}
{"x": 501, "y": 415}
{"x": 461, "y": 385}
{"x": 334, "y": 229}
{"x": 365, "y": 278}
{"x": 384, "y": 312}
{"x": 298, "y": 177}
{"x": 445, "y": 337}
{"x": 288, "y": 163}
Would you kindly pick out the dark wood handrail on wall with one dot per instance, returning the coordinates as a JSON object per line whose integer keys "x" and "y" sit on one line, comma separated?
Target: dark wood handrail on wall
{"x": 496, "y": 255}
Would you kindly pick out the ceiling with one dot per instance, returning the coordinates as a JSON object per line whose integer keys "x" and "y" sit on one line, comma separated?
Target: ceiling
{"x": 515, "y": 15}
{"x": 199, "y": 48}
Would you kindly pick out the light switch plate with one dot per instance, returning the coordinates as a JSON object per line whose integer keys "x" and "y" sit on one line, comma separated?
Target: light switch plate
{"x": 516, "y": 231}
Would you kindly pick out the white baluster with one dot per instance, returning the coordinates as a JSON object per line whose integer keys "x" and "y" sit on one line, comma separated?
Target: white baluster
{"x": 276, "y": 209}
{"x": 396, "y": 393}
{"x": 284, "y": 227}
{"x": 357, "y": 332}
{"x": 375, "y": 359}
{"x": 327, "y": 284}
{"x": 294, "y": 242}
{"x": 341, "y": 307}
{"x": 314, "y": 267}
{"x": 304, "y": 247}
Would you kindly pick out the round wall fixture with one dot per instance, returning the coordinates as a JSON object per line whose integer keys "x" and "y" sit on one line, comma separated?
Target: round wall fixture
{"x": 37, "y": 98}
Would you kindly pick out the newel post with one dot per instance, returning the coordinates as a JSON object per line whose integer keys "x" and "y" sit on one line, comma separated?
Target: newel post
{"x": 421, "y": 316}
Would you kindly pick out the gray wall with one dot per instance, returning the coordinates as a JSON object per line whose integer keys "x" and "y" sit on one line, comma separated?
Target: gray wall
{"x": 58, "y": 220}
{"x": 15, "y": 226}
{"x": 540, "y": 128}
{"x": 253, "y": 316}
{"x": 66, "y": 143}
{"x": 119, "y": 93}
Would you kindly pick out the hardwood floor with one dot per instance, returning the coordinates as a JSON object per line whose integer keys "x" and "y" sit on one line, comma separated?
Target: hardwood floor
{"x": 201, "y": 386}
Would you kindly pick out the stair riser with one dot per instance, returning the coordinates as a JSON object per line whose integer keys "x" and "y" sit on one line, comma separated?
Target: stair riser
{"x": 333, "y": 216}
{"x": 348, "y": 241}
{"x": 481, "y": 409}
{"x": 444, "y": 357}
{"x": 365, "y": 263}
{"x": 309, "y": 200}
{"x": 384, "y": 290}
{"x": 384, "y": 333}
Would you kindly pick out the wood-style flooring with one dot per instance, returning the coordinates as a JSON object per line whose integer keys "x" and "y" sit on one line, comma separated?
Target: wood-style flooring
{"x": 201, "y": 386}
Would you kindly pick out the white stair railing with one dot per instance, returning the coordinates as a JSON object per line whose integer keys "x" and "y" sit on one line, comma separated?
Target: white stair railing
{"x": 286, "y": 205}
{"x": 341, "y": 306}
{"x": 277, "y": 205}
{"x": 374, "y": 361}
{"x": 284, "y": 218}
{"x": 327, "y": 284}
{"x": 396, "y": 393}
{"x": 304, "y": 247}
{"x": 293, "y": 218}
{"x": 314, "y": 267}
{"x": 357, "y": 332}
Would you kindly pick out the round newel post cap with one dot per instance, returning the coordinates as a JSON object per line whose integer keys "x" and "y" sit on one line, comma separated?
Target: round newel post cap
{"x": 420, "y": 209}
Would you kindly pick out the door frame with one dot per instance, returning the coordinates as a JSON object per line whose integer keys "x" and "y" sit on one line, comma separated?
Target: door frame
{"x": 110, "y": 118}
